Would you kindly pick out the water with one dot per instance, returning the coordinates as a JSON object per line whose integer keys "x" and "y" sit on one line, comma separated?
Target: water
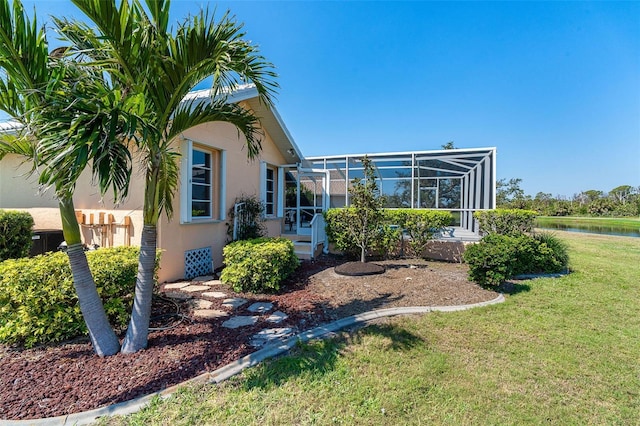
{"x": 593, "y": 229}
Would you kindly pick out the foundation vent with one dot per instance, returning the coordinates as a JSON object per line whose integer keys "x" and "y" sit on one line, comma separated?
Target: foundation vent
{"x": 197, "y": 262}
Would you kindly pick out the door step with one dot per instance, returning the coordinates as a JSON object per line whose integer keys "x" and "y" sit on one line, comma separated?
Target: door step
{"x": 302, "y": 249}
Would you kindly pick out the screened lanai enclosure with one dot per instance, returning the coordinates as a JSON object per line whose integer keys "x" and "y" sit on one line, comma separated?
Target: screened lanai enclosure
{"x": 459, "y": 180}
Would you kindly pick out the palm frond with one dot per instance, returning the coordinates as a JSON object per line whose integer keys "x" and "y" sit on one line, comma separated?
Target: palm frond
{"x": 23, "y": 47}
{"x": 134, "y": 45}
{"x": 92, "y": 130}
{"x": 21, "y": 145}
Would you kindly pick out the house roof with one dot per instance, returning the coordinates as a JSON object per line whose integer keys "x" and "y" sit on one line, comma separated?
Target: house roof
{"x": 9, "y": 126}
{"x": 269, "y": 117}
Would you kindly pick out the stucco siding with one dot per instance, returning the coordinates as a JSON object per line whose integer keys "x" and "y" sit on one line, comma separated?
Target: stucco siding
{"x": 19, "y": 190}
{"x": 236, "y": 177}
{"x": 242, "y": 178}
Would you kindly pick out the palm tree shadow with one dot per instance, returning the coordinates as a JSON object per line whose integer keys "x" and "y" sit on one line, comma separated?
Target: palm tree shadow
{"x": 356, "y": 306}
{"x": 319, "y": 357}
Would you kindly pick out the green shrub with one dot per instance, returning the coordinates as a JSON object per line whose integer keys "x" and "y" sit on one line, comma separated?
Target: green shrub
{"x": 557, "y": 259}
{"x": 386, "y": 242}
{"x": 497, "y": 257}
{"x": 491, "y": 261}
{"x": 258, "y": 265}
{"x": 505, "y": 221}
{"x": 420, "y": 225}
{"x": 15, "y": 234}
{"x": 336, "y": 227}
{"x": 38, "y": 303}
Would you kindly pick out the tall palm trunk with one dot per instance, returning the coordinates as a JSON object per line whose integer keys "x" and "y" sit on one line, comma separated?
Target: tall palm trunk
{"x": 103, "y": 338}
{"x": 138, "y": 330}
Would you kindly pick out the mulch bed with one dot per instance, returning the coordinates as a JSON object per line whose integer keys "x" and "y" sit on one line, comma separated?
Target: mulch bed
{"x": 68, "y": 378}
{"x": 358, "y": 269}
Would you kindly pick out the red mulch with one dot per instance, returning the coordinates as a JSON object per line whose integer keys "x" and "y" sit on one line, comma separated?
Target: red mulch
{"x": 68, "y": 378}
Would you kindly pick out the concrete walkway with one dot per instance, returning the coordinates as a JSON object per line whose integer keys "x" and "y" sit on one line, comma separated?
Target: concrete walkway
{"x": 274, "y": 341}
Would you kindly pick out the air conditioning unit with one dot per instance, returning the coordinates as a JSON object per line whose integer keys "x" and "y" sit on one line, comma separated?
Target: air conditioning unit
{"x": 45, "y": 240}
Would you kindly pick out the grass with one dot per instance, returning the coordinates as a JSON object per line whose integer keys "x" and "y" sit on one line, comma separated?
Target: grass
{"x": 632, "y": 223}
{"x": 558, "y": 351}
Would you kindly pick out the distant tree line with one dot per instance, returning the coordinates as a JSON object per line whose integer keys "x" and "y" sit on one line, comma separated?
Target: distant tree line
{"x": 623, "y": 200}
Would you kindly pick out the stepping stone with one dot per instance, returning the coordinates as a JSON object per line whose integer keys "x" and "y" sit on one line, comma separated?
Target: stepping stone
{"x": 214, "y": 294}
{"x": 208, "y": 280}
{"x": 173, "y": 286}
{"x": 203, "y": 278}
{"x": 234, "y": 302}
{"x": 270, "y": 335}
{"x": 194, "y": 288}
{"x": 277, "y": 317}
{"x": 202, "y": 304}
{"x": 210, "y": 313}
{"x": 261, "y": 307}
{"x": 177, "y": 295}
{"x": 240, "y": 321}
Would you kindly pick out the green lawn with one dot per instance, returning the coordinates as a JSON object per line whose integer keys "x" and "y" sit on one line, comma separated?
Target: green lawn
{"x": 558, "y": 351}
{"x": 632, "y": 223}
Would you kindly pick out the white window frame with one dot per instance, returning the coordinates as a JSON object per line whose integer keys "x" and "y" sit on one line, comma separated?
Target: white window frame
{"x": 217, "y": 186}
{"x": 278, "y": 189}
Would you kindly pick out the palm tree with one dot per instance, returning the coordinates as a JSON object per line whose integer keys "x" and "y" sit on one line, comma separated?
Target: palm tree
{"x": 69, "y": 118}
{"x": 146, "y": 59}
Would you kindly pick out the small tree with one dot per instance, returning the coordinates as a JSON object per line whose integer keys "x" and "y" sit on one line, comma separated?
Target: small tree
{"x": 367, "y": 204}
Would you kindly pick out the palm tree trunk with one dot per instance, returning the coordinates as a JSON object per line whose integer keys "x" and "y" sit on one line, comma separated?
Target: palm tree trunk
{"x": 138, "y": 331}
{"x": 103, "y": 338}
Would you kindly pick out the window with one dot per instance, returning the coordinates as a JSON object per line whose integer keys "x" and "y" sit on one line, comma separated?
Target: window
{"x": 271, "y": 192}
{"x": 202, "y": 183}
{"x": 270, "y": 200}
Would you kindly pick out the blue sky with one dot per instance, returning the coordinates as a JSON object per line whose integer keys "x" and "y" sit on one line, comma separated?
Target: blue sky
{"x": 555, "y": 86}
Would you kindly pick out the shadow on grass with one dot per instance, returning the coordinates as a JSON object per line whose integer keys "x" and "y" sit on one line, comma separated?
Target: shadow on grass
{"x": 319, "y": 357}
{"x": 356, "y": 306}
{"x": 512, "y": 288}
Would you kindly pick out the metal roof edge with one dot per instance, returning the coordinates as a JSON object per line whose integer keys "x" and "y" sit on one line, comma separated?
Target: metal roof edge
{"x": 379, "y": 154}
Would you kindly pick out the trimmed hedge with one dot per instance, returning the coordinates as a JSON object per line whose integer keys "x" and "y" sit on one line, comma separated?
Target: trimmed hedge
{"x": 38, "y": 303}
{"x": 15, "y": 234}
{"x": 258, "y": 265}
{"x": 505, "y": 221}
{"x": 497, "y": 258}
{"x": 420, "y": 225}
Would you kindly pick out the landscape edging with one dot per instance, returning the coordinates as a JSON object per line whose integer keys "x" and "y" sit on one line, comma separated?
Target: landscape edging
{"x": 230, "y": 370}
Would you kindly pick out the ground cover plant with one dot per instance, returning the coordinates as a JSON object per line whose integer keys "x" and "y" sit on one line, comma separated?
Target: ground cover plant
{"x": 558, "y": 351}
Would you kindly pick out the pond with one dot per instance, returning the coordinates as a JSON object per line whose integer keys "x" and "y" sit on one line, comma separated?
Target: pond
{"x": 593, "y": 229}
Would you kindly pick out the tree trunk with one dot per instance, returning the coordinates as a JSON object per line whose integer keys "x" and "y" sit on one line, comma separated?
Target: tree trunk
{"x": 103, "y": 338}
{"x": 363, "y": 246}
{"x": 138, "y": 331}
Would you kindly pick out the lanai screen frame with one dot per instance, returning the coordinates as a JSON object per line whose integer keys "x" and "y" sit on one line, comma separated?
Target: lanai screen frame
{"x": 474, "y": 168}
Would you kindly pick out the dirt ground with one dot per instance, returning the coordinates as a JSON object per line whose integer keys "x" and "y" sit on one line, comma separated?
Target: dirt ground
{"x": 67, "y": 378}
